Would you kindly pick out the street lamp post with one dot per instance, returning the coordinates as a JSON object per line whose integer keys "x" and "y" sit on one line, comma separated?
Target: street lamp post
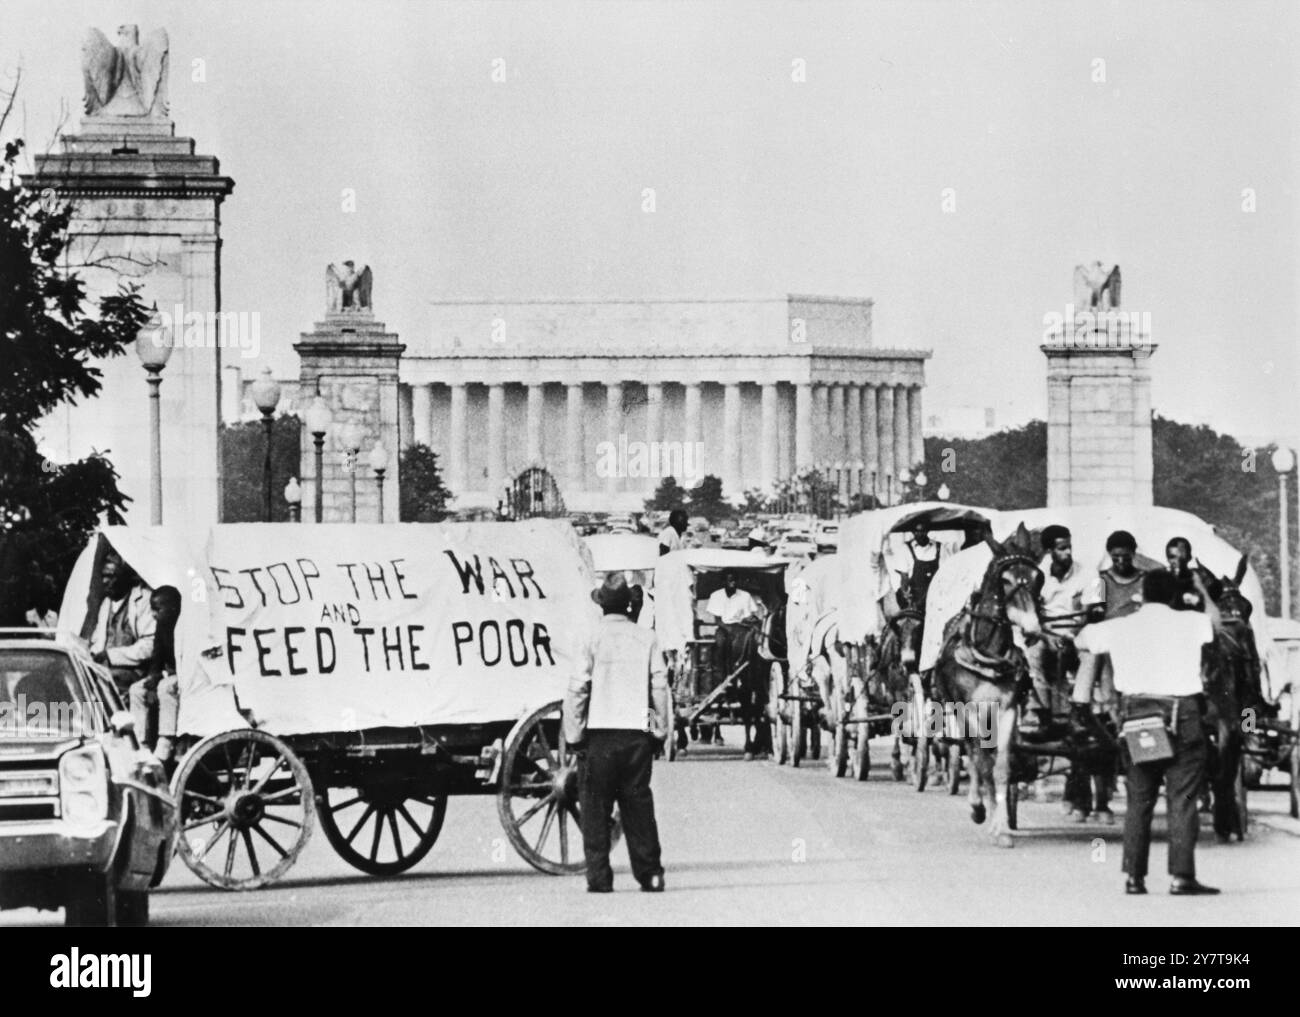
{"x": 319, "y": 419}
{"x": 266, "y": 397}
{"x": 351, "y": 438}
{"x": 154, "y": 347}
{"x": 293, "y": 495}
{"x": 1284, "y": 463}
{"x": 379, "y": 463}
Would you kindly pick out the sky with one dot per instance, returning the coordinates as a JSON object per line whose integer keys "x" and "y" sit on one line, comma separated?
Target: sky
{"x": 1139, "y": 134}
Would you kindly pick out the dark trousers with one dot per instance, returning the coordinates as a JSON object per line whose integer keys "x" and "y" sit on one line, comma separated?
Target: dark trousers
{"x": 617, "y": 770}
{"x": 1182, "y": 776}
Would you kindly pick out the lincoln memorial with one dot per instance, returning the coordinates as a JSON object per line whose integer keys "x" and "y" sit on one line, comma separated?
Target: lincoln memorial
{"x": 608, "y": 397}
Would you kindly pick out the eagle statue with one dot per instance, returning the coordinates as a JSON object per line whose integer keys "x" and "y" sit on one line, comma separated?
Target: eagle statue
{"x": 129, "y": 79}
{"x": 1096, "y": 285}
{"x": 348, "y": 290}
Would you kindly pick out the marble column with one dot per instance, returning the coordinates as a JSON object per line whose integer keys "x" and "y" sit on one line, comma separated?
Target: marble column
{"x": 405, "y": 416}
{"x": 613, "y": 427}
{"x": 803, "y": 427}
{"x": 731, "y": 479}
{"x": 837, "y": 446}
{"x": 887, "y": 481}
{"x": 422, "y": 414}
{"x": 916, "y": 428}
{"x": 457, "y": 453}
{"x": 573, "y": 439}
{"x": 654, "y": 413}
{"x": 871, "y": 482}
{"x": 691, "y": 412}
{"x": 821, "y": 424}
{"x": 902, "y": 435}
{"x": 768, "y": 437}
{"x": 496, "y": 428}
{"x": 536, "y": 396}
{"x": 853, "y": 429}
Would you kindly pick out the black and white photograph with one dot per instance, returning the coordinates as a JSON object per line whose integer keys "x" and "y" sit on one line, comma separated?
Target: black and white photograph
{"x": 652, "y": 463}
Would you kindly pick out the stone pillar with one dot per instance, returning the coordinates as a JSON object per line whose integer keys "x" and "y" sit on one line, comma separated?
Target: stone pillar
{"x": 496, "y": 451}
{"x": 768, "y": 438}
{"x": 853, "y": 429}
{"x": 837, "y": 446}
{"x": 821, "y": 424}
{"x": 613, "y": 427}
{"x": 405, "y": 416}
{"x": 422, "y": 414}
{"x": 654, "y": 413}
{"x": 915, "y": 425}
{"x": 457, "y": 452}
{"x": 902, "y": 435}
{"x": 731, "y": 479}
{"x": 573, "y": 439}
{"x": 873, "y": 482}
{"x": 887, "y": 481}
{"x": 691, "y": 411}
{"x": 804, "y": 445}
{"x": 536, "y": 395}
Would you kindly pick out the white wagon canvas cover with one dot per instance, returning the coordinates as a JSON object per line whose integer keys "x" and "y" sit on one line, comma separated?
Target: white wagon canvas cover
{"x": 322, "y": 628}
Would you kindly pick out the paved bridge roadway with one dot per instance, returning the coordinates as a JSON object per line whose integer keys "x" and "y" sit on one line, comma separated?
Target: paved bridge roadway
{"x": 756, "y": 843}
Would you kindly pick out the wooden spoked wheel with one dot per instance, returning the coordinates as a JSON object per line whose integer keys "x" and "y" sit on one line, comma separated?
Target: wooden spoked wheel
{"x": 383, "y": 828}
{"x": 538, "y": 797}
{"x": 796, "y": 731}
{"x": 837, "y": 761}
{"x": 239, "y": 793}
{"x": 860, "y": 758}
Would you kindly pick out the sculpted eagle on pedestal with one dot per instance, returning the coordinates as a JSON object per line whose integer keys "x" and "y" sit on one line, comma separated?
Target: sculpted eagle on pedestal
{"x": 129, "y": 79}
{"x": 1096, "y": 285}
{"x": 348, "y": 290}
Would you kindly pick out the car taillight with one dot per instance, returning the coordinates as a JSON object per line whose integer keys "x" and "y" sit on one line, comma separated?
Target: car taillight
{"x": 83, "y": 785}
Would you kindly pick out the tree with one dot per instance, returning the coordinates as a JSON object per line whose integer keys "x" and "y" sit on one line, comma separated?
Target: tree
{"x": 424, "y": 495}
{"x": 243, "y": 458}
{"x": 755, "y": 501}
{"x": 1006, "y": 470}
{"x": 668, "y": 495}
{"x": 49, "y": 343}
{"x": 706, "y": 500}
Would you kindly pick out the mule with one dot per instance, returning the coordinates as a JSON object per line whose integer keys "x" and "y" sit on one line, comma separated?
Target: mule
{"x": 981, "y": 667}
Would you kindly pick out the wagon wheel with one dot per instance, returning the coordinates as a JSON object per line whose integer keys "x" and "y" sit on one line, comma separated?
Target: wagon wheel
{"x": 814, "y": 739}
{"x": 780, "y": 740}
{"x": 1012, "y": 791}
{"x": 538, "y": 797}
{"x": 920, "y": 761}
{"x": 796, "y": 731}
{"x": 238, "y": 791}
{"x": 390, "y": 825}
{"x": 954, "y": 767}
{"x": 837, "y": 761}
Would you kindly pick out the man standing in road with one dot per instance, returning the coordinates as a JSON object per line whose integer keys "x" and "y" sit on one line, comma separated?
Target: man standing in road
{"x": 670, "y": 537}
{"x": 616, "y": 715}
{"x": 1156, "y": 657}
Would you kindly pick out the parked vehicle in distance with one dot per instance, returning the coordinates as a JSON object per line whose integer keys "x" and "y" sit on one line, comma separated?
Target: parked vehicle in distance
{"x": 827, "y": 536}
{"x": 620, "y": 522}
{"x": 87, "y": 822}
{"x": 796, "y": 545}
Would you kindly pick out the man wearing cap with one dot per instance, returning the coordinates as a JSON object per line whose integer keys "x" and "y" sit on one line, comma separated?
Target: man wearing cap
{"x": 616, "y": 715}
{"x": 1156, "y": 656}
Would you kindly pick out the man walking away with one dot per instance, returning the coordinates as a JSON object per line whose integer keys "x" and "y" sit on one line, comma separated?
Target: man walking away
{"x": 1156, "y": 657}
{"x": 616, "y": 715}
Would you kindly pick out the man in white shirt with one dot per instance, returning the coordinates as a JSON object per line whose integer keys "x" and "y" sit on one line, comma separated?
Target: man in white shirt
{"x": 616, "y": 715}
{"x": 670, "y": 537}
{"x": 1067, "y": 587}
{"x": 1156, "y": 657}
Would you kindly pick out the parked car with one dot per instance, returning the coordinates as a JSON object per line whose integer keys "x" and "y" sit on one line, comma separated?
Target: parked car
{"x": 796, "y": 545}
{"x": 827, "y": 536}
{"x": 621, "y": 522}
{"x": 87, "y": 822}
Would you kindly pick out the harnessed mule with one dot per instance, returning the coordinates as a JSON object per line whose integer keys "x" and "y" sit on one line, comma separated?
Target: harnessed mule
{"x": 981, "y": 668}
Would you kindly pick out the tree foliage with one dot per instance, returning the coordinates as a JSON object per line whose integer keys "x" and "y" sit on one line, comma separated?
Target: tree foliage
{"x": 706, "y": 500}
{"x": 424, "y": 495}
{"x": 668, "y": 495}
{"x": 50, "y": 339}
{"x": 1006, "y": 470}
